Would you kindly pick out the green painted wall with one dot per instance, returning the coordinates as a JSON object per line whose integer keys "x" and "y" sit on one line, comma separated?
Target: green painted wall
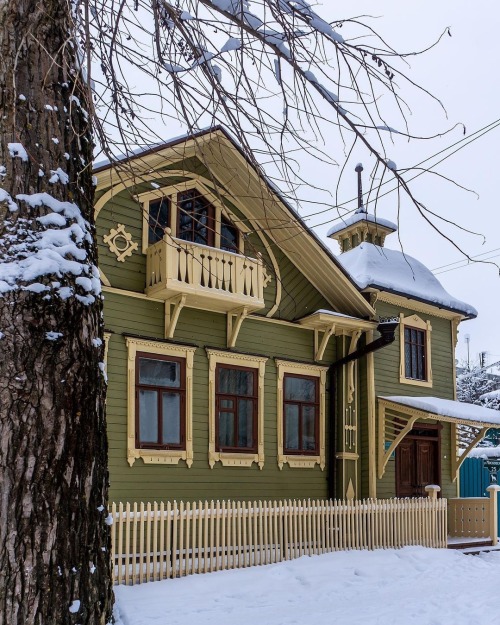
{"x": 387, "y": 383}
{"x": 143, "y": 482}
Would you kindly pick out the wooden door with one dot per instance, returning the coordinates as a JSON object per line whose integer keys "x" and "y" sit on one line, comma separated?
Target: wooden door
{"x": 405, "y": 468}
{"x": 417, "y": 465}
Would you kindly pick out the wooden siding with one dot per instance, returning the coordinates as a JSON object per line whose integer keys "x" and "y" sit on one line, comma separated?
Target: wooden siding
{"x": 387, "y": 383}
{"x": 145, "y": 482}
{"x": 298, "y": 297}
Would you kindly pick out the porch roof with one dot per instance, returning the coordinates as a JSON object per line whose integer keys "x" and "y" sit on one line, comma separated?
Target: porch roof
{"x": 398, "y": 414}
{"x": 447, "y": 410}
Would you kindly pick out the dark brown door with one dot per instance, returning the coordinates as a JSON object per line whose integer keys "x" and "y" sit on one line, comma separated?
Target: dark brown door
{"x": 417, "y": 465}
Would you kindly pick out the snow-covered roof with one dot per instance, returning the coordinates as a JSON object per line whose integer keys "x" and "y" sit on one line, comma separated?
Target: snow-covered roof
{"x": 361, "y": 216}
{"x": 484, "y": 452}
{"x": 461, "y": 411}
{"x": 390, "y": 270}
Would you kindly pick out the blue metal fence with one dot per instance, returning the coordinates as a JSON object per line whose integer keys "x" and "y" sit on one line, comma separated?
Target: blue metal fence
{"x": 474, "y": 480}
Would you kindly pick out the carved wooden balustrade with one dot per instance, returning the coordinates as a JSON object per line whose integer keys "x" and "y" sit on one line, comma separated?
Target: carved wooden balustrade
{"x": 209, "y": 277}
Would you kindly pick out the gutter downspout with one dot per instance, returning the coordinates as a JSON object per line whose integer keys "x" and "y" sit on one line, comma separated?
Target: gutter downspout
{"x": 387, "y": 328}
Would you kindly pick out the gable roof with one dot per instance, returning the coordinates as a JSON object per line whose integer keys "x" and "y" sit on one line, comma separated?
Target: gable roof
{"x": 232, "y": 170}
{"x": 394, "y": 272}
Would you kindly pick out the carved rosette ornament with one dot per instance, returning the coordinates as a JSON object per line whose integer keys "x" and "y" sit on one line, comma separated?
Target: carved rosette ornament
{"x": 120, "y": 242}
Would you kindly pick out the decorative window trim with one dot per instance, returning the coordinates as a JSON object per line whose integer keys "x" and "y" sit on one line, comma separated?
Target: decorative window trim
{"x": 414, "y": 321}
{"x": 158, "y": 456}
{"x": 297, "y": 461}
{"x": 171, "y": 192}
{"x": 235, "y": 459}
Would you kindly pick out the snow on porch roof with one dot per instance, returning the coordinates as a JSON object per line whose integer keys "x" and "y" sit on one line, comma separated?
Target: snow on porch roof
{"x": 451, "y": 410}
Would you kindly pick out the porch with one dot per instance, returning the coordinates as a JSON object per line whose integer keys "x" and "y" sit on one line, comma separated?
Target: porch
{"x": 155, "y": 541}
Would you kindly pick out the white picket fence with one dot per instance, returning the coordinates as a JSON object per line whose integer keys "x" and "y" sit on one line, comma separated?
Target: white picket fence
{"x": 157, "y": 541}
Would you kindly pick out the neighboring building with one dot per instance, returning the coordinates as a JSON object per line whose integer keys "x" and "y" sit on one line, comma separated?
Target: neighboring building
{"x": 237, "y": 343}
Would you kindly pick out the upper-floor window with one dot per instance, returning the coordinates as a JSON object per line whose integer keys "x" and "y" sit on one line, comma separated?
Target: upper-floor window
{"x": 195, "y": 218}
{"x": 415, "y": 356}
{"x": 190, "y": 215}
{"x": 229, "y": 236}
{"x": 415, "y": 351}
{"x": 158, "y": 219}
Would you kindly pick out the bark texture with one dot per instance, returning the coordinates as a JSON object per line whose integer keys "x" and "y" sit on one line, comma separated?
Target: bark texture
{"x": 54, "y": 538}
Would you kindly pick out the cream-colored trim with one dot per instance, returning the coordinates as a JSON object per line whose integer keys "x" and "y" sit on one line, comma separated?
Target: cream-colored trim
{"x": 235, "y": 459}
{"x": 120, "y": 242}
{"x": 125, "y": 293}
{"x": 228, "y": 166}
{"x": 460, "y": 455}
{"x": 406, "y": 302}
{"x": 172, "y": 316}
{"x": 104, "y": 280}
{"x": 347, "y": 455}
{"x": 107, "y": 336}
{"x": 235, "y": 319}
{"x": 159, "y": 456}
{"x": 299, "y": 368}
{"x": 414, "y": 321}
{"x": 396, "y": 420}
{"x": 371, "y": 418}
{"x": 344, "y": 324}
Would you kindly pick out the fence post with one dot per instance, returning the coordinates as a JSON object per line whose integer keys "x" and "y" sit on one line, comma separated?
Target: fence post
{"x": 432, "y": 490}
{"x": 493, "y": 491}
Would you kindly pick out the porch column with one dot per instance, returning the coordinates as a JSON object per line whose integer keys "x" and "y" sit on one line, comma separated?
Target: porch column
{"x": 493, "y": 491}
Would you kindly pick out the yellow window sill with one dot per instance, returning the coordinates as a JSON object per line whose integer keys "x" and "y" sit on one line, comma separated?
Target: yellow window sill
{"x": 301, "y": 462}
{"x": 424, "y": 383}
{"x": 152, "y": 456}
{"x": 235, "y": 459}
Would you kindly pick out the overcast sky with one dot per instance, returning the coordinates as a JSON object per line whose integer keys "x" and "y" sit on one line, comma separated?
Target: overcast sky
{"x": 463, "y": 72}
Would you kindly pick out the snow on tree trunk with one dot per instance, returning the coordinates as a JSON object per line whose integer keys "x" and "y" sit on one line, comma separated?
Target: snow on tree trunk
{"x": 54, "y": 532}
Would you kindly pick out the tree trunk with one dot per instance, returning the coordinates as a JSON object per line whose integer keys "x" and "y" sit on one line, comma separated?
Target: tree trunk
{"x": 54, "y": 532}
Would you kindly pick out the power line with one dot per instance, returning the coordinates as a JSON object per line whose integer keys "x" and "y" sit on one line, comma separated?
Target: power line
{"x": 465, "y": 141}
{"x": 462, "y": 260}
{"x": 467, "y": 264}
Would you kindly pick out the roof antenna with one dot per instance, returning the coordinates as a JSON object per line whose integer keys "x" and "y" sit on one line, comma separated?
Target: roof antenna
{"x": 358, "y": 170}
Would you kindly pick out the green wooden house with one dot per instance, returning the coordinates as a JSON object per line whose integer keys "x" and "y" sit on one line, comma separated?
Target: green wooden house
{"x": 245, "y": 361}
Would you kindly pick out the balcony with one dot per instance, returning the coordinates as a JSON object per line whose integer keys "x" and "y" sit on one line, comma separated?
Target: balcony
{"x": 208, "y": 277}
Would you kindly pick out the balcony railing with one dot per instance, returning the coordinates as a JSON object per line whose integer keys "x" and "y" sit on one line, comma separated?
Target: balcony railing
{"x": 206, "y": 275}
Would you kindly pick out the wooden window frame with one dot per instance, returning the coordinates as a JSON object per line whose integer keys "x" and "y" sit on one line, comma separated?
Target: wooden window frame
{"x": 171, "y": 192}
{"x": 210, "y": 226}
{"x": 255, "y": 401}
{"x": 181, "y": 391}
{"x": 315, "y": 403}
{"x": 411, "y": 346}
{"x": 154, "y": 200}
{"x": 302, "y": 460}
{"x": 416, "y": 323}
{"x": 234, "y": 360}
{"x": 169, "y": 351}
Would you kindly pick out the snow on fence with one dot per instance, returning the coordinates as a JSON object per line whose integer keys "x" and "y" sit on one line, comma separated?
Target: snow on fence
{"x": 152, "y": 542}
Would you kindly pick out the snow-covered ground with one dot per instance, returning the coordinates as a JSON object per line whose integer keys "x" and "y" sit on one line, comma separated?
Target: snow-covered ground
{"x": 411, "y": 586}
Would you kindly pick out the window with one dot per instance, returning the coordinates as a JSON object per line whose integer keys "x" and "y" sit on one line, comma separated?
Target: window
{"x": 160, "y": 404}
{"x": 415, "y": 354}
{"x": 160, "y": 401}
{"x": 195, "y": 218}
{"x": 191, "y": 213}
{"x": 301, "y": 414}
{"x": 236, "y": 409}
{"x": 415, "y": 351}
{"x": 228, "y": 236}
{"x": 158, "y": 219}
